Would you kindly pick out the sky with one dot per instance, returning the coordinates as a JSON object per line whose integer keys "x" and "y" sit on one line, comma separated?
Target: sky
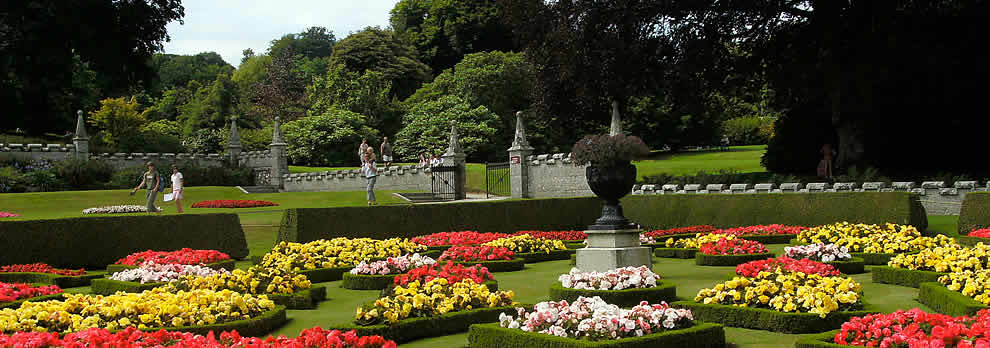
{"x": 230, "y": 26}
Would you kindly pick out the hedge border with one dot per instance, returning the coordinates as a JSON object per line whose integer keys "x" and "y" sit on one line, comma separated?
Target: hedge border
{"x": 497, "y": 266}
{"x": 903, "y": 277}
{"x": 704, "y": 335}
{"x": 768, "y": 319}
{"x": 822, "y": 340}
{"x": 17, "y": 304}
{"x": 303, "y": 299}
{"x": 321, "y": 275}
{"x": 945, "y": 301}
{"x": 663, "y": 292}
{"x": 48, "y": 278}
{"x": 974, "y": 212}
{"x": 769, "y": 238}
{"x": 971, "y": 241}
{"x": 106, "y": 286}
{"x": 854, "y": 265}
{"x": 228, "y": 265}
{"x": 367, "y": 281}
{"x": 553, "y": 255}
{"x": 675, "y": 253}
{"x": 415, "y": 328}
{"x": 702, "y": 259}
{"x": 258, "y": 326}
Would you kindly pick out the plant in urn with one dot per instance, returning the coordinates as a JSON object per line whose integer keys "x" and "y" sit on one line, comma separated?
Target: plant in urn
{"x": 611, "y": 174}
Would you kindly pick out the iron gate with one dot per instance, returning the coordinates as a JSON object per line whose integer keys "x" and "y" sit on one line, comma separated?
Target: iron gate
{"x": 442, "y": 186}
{"x": 497, "y": 180}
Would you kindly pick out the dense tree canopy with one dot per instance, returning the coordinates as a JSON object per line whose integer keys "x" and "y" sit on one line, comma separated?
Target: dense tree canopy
{"x": 177, "y": 70}
{"x": 381, "y": 50}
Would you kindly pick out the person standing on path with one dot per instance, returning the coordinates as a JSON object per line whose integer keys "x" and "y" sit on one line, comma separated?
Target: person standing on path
{"x": 370, "y": 171}
{"x": 386, "y": 151}
{"x": 178, "y": 186}
{"x": 825, "y": 167}
{"x": 152, "y": 181}
{"x": 363, "y": 149}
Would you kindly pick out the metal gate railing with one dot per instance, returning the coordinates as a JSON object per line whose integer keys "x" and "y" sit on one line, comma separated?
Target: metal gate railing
{"x": 497, "y": 180}
{"x": 442, "y": 186}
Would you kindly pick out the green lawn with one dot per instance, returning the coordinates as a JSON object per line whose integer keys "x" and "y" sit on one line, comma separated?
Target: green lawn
{"x": 743, "y": 159}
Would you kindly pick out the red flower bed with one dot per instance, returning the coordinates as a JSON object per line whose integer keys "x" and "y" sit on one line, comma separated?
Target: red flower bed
{"x": 233, "y": 203}
{"x": 41, "y": 268}
{"x": 732, "y": 247}
{"x": 982, "y": 233}
{"x": 762, "y": 230}
{"x": 458, "y": 238}
{"x": 703, "y": 229}
{"x": 454, "y": 273}
{"x": 915, "y": 328}
{"x": 10, "y": 292}
{"x": 476, "y": 253}
{"x": 4, "y": 214}
{"x": 806, "y": 266}
{"x": 185, "y": 256}
{"x": 133, "y": 338}
{"x": 555, "y": 235}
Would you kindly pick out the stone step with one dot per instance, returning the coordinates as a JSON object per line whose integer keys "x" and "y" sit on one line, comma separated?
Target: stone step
{"x": 258, "y": 189}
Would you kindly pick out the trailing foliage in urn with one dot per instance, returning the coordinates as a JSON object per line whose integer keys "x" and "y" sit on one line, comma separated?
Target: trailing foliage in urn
{"x": 608, "y": 150}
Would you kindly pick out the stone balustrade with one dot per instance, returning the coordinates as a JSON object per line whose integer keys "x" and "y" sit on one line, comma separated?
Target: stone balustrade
{"x": 392, "y": 178}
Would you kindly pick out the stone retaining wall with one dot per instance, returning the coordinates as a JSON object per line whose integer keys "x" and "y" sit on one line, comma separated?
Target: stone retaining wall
{"x": 58, "y": 152}
{"x": 554, "y": 175}
{"x": 394, "y": 178}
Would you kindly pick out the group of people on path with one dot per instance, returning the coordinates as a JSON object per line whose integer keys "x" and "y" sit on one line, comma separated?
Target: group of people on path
{"x": 153, "y": 183}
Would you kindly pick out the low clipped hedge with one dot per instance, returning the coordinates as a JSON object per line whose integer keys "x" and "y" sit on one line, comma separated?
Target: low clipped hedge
{"x": 770, "y": 238}
{"x": 702, "y": 259}
{"x": 768, "y": 319}
{"x": 971, "y": 241}
{"x": 663, "y": 292}
{"x": 497, "y": 266}
{"x": 675, "y": 253}
{"x": 321, "y": 275}
{"x": 822, "y": 340}
{"x": 903, "y": 277}
{"x": 874, "y": 259}
{"x": 367, "y": 281}
{"x": 551, "y": 256}
{"x": 17, "y": 304}
{"x": 415, "y": 328}
{"x": 574, "y": 246}
{"x": 95, "y": 242}
{"x": 226, "y": 264}
{"x": 258, "y": 326}
{"x": 974, "y": 212}
{"x": 704, "y": 335}
{"x": 303, "y": 299}
{"x": 945, "y": 301}
{"x": 854, "y": 265}
{"x": 48, "y": 278}
{"x": 105, "y": 286}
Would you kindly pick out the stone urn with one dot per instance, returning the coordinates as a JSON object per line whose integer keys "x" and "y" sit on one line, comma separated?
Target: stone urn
{"x": 611, "y": 183}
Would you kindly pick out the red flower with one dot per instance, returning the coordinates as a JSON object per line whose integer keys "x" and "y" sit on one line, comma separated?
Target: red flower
{"x": 555, "y": 235}
{"x": 457, "y": 238}
{"x": 784, "y": 263}
{"x": 41, "y": 268}
{"x": 733, "y": 247}
{"x": 184, "y": 256}
{"x": 982, "y": 233}
{"x": 915, "y": 328}
{"x": 236, "y": 203}
{"x": 703, "y": 229}
{"x": 133, "y": 338}
{"x": 452, "y": 272}
{"x": 10, "y": 292}
{"x": 762, "y": 230}
{"x": 476, "y": 253}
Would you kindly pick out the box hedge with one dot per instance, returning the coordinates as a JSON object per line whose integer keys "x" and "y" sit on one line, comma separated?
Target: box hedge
{"x": 321, "y": 275}
{"x": 822, "y": 340}
{"x": 971, "y": 241}
{"x": 228, "y": 265}
{"x": 303, "y": 299}
{"x": 903, "y": 277}
{"x": 17, "y": 304}
{"x": 497, "y": 266}
{"x": 104, "y": 286}
{"x": 258, "y": 326}
{"x": 663, "y": 292}
{"x": 702, "y": 259}
{"x": 95, "y": 242}
{"x": 874, "y": 259}
{"x": 551, "y": 256}
{"x": 974, "y": 213}
{"x": 702, "y": 335}
{"x": 367, "y": 281}
{"x": 945, "y": 301}
{"x": 651, "y": 211}
{"x": 770, "y": 238}
{"x": 853, "y": 265}
{"x": 675, "y": 253}
{"x": 768, "y": 319}
{"x": 48, "y": 278}
{"x": 415, "y": 328}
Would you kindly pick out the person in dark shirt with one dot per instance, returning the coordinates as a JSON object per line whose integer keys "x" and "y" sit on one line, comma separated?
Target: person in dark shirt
{"x": 386, "y": 151}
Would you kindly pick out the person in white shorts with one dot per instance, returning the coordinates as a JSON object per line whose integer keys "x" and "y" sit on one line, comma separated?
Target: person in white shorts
{"x": 386, "y": 151}
{"x": 178, "y": 186}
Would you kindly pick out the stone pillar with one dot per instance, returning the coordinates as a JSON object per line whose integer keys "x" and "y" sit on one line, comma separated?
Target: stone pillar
{"x": 616, "y": 127}
{"x": 234, "y": 143}
{"x": 455, "y": 157}
{"x": 81, "y": 140}
{"x": 518, "y": 165}
{"x": 280, "y": 164}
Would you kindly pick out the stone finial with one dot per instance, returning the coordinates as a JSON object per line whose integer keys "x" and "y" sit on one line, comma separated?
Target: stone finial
{"x": 519, "y": 142}
{"x": 454, "y": 149}
{"x": 235, "y": 139}
{"x": 277, "y": 134}
{"x": 80, "y": 126}
{"x": 616, "y": 123}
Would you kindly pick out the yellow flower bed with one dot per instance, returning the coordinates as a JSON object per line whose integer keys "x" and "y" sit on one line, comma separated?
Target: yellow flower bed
{"x": 787, "y": 292}
{"x": 697, "y": 241}
{"x": 952, "y": 258}
{"x": 255, "y": 280}
{"x": 975, "y": 284}
{"x": 878, "y": 239}
{"x": 153, "y": 308}
{"x": 528, "y": 244}
{"x": 434, "y": 298}
{"x": 337, "y": 252}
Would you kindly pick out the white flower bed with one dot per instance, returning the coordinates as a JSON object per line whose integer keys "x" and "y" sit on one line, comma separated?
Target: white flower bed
{"x": 151, "y": 272}
{"x": 118, "y": 209}
{"x": 393, "y": 265}
{"x": 594, "y": 319}
{"x": 616, "y": 279}
{"x": 818, "y": 252}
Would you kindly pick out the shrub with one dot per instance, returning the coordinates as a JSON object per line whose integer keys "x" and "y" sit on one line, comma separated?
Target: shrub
{"x": 427, "y": 128}
{"x": 85, "y": 174}
{"x": 328, "y": 138}
{"x": 975, "y": 212}
{"x": 608, "y": 150}
{"x": 751, "y": 130}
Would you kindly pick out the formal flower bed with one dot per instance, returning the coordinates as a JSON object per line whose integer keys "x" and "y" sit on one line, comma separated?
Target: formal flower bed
{"x": 616, "y": 279}
{"x": 457, "y": 238}
{"x": 233, "y": 203}
{"x": 452, "y": 272}
{"x": 393, "y": 265}
{"x": 556, "y": 235}
{"x": 732, "y": 247}
{"x": 787, "y": 292}
{"x": 643, "y": 239}
{"x": 436, "y": 297}
{"x": 975, "y": 284}
{"x": 255, "y": 280}
{"x": 700, "y": 229}
{"x": 184, "y": 256}
{"x": 762, "y": 230}
{"x": 118, "y": 209}
{"x": 337, "y": 252}
{"x": 476, "y": 253}
{"x": 875, "y": 239}
{"x": 952, "y": 258}
{"x": 10, "y": 292}
{"x": 133, "y": 338}
{"x": 696, "y": 241}
{"x": 528, "y": 244}
{"x": 41, "y": 268}
{"x": 818, "y": 252}
{"x": 981, "y": 233}
{"x": 151, "y": 272}
{"x": 593, "y": 319}
{"x": 785, "y": 264}
{"x": 5, "y": 214}
{"x": 154, "y": 308}
{"x": 915, "y": 328}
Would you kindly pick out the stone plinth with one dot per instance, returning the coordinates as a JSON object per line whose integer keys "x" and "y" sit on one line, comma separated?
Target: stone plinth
{"x": 611, "y": 249}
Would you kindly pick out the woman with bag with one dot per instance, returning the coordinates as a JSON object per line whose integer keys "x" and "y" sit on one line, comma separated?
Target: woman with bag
{"x": 371, "y": 173}
{"x": 178, "y": 186}
{"x": 152, "y": 182}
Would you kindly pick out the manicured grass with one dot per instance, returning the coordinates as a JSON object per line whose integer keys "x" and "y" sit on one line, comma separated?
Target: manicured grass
{"x": 944, "y": 224}
{"x": 743, "y": 159}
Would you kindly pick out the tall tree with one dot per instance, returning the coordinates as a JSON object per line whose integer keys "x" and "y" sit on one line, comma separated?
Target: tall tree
{"x": 314, "y": 42}
{"x": 177, "y": 70}
{"x": 367, "y": 94}
{"x": 381, "y": 50}
{"x": 282, "y": 92}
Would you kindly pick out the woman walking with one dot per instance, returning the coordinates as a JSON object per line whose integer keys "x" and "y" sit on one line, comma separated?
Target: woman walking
{"x": 152, "y": 181}
{"x": 178, "y": 186}
{"x": 371, "y": 173}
